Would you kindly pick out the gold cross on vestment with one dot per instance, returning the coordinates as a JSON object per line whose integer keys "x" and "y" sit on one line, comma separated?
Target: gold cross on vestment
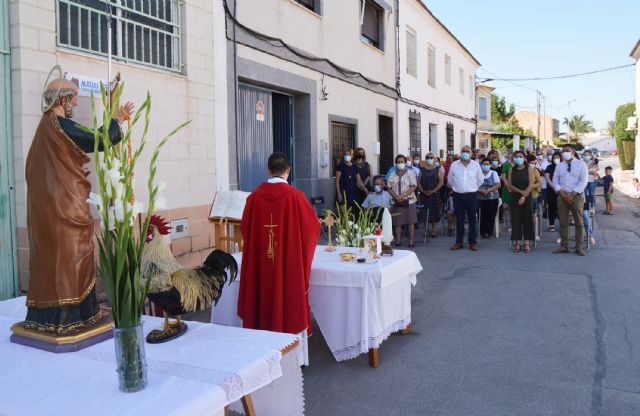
{"x": 273, "y": 244}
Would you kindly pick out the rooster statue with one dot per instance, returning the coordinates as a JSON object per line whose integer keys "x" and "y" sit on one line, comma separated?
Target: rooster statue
{"x": 178, "y": 290}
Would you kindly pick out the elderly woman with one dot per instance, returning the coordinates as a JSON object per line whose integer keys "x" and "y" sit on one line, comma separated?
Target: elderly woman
{"x": 402, "y": 187}
{"x": 348, "y": 182}
{"x": 430, "y": 181}
{"x": 592, "y": 167}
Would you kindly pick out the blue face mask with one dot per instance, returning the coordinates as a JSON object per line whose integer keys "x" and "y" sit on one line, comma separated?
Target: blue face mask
{"x": 429, "y": 161}
{"x": 519, "y": 160}
{"x": 465, "y": 156}
{"x": 378, "y": 188}
{"x": 494, "y": 163}
{"x": 437, "y": 164}
{"x": 347, "y": 158}
{"x": 586, "y": 158}
{"x": 486, "y": 168}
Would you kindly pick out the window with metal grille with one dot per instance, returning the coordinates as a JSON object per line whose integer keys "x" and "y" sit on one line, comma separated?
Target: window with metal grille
{"x": 450, "y": 143}
{"x": 143, "y": 32}
{"x": 431, "y": 66}
{"x": 370, "y": 23}
{"x": 342, "y": 139}
{"x": 415, "y": 141}
{"x": 412, "y": 65}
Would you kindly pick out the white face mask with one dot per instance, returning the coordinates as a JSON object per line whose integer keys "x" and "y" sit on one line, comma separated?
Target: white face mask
{"x": 347, "y": 158}
{"x": 400, "y": 166}
{"x": 567, "y": 155}
{"x": 416, "y": 162}
{"x": 556, "y": 161}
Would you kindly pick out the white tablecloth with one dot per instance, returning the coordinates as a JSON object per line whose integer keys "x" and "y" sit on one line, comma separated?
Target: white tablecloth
{"x": 198, "y": 373}
{"x": 357, "y": 306}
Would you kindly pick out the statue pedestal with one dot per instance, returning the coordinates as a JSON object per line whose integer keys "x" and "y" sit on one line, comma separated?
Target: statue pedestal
{"x": 68, "y": 342}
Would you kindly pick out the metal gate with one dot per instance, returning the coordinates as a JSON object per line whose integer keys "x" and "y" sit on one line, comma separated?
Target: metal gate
{"x": 283, "y": 127}
{"x": 385, "y": 134}
{"x": 255, "y": 126}
{"x": 8, "y": 270}
{"x": 342, "y": 139}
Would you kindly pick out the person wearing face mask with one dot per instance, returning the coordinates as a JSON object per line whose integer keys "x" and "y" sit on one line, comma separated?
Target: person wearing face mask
{"x": 378, "y": 199}
{"x": 521, "y": 180}
{"x": 348, "y": 182}
{"x": 488, "y": 197}
{"x": 506, "y": 192}
{"x": 430, "y": 181}
{"x": 536, "y": 192}
{"x": 364, "y": 169}
{"x": 552, "y": 197}
{"x": 465, "y": 178}
{"x": 570, "y": 178}
{"x": 592, "y": 168}
{"x": 402, "y": 187}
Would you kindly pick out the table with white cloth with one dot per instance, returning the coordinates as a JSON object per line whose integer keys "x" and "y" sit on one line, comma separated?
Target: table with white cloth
{"x": 357, "y": 306}
{"x": 202, "y": 372}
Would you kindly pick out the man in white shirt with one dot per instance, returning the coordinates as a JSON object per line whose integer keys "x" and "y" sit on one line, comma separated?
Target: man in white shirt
{"x": 569, "y": 180}
{"x": 465, "y": 178}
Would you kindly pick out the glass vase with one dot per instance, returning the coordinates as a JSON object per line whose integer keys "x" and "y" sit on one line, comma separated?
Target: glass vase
{"x": 130, "y": 358}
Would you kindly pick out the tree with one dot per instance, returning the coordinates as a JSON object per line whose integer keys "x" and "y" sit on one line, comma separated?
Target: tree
{"x": 611, "y": 128}
{"x": 499, "y": 111}
{"x": 578, "y": 125}
{"x": 625, "y": 139}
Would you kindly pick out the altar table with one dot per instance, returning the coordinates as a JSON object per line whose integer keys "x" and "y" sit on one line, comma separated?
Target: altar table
{"x": 357, "y": 306}
{"x": 200, "y": 373}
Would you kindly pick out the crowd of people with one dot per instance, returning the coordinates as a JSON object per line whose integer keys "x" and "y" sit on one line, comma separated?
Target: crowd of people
{"x": 471, "y": 191}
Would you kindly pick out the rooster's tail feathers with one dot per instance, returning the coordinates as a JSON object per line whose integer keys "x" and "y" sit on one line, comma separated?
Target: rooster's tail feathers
{"x": 219, "y": 261}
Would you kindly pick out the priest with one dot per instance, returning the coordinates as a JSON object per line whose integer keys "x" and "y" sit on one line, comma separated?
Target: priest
{"x": 62, "y": 270}
{"x": 280, "y": 231}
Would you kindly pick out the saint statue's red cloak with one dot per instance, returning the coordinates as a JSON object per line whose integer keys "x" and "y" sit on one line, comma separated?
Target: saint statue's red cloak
{"x": 280, "y": 231}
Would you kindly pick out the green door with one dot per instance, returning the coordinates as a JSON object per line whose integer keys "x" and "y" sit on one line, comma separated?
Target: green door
{"x": 8, "y": 268}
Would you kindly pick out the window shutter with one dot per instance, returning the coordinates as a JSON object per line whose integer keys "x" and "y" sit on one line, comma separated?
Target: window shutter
{"x": 411, "y": 54}
{"x": 431, "y": 62}
{"x": 370, "y": 24}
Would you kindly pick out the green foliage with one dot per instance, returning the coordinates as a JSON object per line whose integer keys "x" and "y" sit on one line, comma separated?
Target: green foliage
{"x": 621, "y": 134}
{"x": 578, "y": 125}
{"x": 558, "y": 142}
{"x": 120, "y": 245}
{"x": 352, "y": 226}
{"x": 499, "y": 111}
{"x": 611, "y": 128}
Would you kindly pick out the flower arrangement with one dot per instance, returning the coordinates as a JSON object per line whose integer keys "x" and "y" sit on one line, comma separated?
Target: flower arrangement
{"x": 120, "y": 244}
{"x": 352, "y": 226}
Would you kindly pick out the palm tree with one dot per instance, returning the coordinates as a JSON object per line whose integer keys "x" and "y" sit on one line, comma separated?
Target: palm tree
{"x": 578, "y": 126}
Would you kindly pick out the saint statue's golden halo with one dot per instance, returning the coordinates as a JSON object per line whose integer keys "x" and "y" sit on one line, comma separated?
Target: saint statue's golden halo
{"x": 43, "y": 104}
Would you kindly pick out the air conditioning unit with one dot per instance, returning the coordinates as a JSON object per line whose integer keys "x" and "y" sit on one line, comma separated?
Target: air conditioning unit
{"x": 632, "y": 123}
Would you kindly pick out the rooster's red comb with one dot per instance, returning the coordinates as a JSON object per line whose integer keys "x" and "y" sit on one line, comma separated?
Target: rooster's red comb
{"x": 160, "y": 223}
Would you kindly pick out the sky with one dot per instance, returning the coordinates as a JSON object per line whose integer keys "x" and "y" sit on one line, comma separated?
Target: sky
{"x": 539, "y": 38}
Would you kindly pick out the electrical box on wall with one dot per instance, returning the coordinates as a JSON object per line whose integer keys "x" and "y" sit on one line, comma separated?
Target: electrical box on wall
{"x": 324, "y": 149}
{"x": 376, "y": 148}
{"x": 179, "y": 228}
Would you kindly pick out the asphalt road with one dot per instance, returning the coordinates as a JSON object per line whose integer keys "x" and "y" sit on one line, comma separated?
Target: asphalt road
{"x": 499, "y": 333}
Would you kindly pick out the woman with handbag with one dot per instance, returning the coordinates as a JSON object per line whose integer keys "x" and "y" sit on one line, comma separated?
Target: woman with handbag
{"x": 402, "y": 186}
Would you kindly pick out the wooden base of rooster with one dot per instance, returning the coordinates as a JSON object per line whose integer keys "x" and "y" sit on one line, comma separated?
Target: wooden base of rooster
{"x": 178, "y": 290}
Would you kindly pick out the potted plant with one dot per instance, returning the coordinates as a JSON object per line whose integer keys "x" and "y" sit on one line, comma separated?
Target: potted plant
{"x": 123, "y": 231}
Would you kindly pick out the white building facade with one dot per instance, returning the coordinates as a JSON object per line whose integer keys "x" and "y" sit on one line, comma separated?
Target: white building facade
{"x": 635, "y": 54}
{"x": 314, "y": 78}
{"x": 437, "y": 105}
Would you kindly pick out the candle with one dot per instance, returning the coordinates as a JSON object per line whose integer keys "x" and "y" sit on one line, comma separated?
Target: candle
{"x": 387, "y": 227}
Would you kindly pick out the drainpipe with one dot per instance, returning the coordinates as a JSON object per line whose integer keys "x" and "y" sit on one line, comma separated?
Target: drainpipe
{"x": 235, "y": 91}
{"x": 397, "y": 118}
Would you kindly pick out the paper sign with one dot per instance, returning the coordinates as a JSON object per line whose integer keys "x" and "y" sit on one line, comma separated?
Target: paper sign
{"x": 86, "y": 84}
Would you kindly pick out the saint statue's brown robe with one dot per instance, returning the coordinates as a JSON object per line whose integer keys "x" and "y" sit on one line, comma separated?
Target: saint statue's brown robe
{"x": 62, "y": 268}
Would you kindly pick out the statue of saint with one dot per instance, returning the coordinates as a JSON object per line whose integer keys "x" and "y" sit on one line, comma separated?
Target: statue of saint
{"x": 62, "y": 268}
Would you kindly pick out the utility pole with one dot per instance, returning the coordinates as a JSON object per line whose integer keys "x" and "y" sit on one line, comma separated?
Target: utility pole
{"x": 544, "y": 120}
{"x": 538, "y": 106}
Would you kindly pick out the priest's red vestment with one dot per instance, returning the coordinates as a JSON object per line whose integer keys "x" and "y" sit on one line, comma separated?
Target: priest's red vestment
{"x": 280, "y": 231}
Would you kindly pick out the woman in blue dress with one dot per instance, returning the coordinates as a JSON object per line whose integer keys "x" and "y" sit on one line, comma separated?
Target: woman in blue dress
{"x": 348, "y": 182}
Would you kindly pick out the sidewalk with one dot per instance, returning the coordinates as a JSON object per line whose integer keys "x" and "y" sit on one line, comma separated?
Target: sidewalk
{"x": 623, "y": 178}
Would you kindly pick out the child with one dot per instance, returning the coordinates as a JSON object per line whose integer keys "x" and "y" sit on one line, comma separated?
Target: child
{"x": 636, "y": 187}
{"x": 608, "y": 190}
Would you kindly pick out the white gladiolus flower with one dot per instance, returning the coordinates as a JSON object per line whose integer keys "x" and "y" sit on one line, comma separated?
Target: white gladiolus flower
{"x": 119, "y": 188}
{"x": 118, "y": 210}
{"x": 111, "y": 223}
{"x": 95, "y": 200}
{"x": 114, "y": 175}
{"x": 136, "y": 208}
{"x": 162, "y": 185}
{"x": 161, "y": 202}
